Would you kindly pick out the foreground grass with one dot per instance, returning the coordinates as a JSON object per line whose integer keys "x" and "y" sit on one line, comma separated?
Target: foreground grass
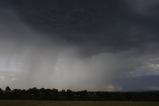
{"x": 75, "y": 103}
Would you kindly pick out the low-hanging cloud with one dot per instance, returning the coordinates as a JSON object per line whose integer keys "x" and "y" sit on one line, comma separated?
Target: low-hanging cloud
{"x": 75, "y": 46}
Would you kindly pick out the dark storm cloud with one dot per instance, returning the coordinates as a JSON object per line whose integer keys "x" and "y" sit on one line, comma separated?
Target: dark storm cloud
{"x": 98, "y": 23}
{"x": 81, "y": 22}
{"x": 75, "y": 15}
{"x": 79, "y": 44}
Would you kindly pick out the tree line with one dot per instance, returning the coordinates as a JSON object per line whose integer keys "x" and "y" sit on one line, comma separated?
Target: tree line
{"x": 55, "y": 94}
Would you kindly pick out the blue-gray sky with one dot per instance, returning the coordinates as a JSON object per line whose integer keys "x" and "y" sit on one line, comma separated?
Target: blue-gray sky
{"x": 80, "y": 44}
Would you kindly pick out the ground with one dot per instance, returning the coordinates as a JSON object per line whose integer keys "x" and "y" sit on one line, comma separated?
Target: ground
{"x": 75, "y": 103}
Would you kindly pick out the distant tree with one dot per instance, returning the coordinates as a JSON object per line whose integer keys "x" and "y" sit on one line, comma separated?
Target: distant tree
{"x": 7, "y": 89}
{"x": 55, "y": 90}
{"x": 69, "y": 93}
{"x": 63, "y": 91}
{"x": 33, "y": 92}
{"x": 1, "y": 90}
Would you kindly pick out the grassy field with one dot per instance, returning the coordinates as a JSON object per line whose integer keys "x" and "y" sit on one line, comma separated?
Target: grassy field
{"x": 75, "y": 103}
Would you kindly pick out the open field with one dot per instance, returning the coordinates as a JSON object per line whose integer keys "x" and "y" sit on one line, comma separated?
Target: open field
{"x": 75, "y": 103}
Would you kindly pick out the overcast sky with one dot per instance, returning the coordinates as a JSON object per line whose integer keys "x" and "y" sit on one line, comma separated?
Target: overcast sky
{"x": 80, "y": 44}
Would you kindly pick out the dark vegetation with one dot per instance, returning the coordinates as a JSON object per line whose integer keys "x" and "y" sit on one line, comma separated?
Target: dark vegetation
{"x": 54, "y": 94}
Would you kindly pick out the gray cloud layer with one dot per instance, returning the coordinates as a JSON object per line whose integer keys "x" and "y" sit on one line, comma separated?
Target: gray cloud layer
{"x": 95, "y": 45}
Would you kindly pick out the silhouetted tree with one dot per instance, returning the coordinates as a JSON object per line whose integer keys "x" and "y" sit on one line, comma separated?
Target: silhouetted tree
{"x": 1, "y": 90}
{"x": 7, "y": 89}
{"x": 54, "y": 94}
